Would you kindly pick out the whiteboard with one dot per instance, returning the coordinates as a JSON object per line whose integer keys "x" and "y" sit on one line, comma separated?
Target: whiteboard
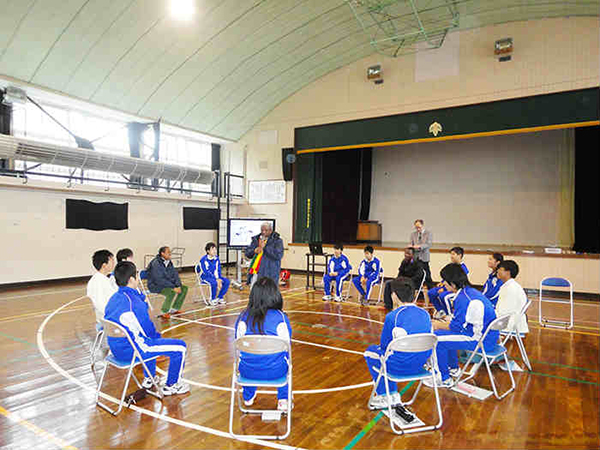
{"x": 269, "y": 191}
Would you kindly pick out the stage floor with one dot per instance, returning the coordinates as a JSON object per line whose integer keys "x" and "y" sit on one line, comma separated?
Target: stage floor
{"x": 47, "y": 386}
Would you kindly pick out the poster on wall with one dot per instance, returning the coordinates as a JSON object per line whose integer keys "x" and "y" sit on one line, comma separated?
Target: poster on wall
{"x": 267, "y": 191}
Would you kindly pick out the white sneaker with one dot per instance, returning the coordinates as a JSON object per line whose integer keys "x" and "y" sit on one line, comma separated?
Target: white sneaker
{"x": 282, "y": 404}
{"x": 214, "y": 302}
{"x": 251, "y": 401}
{"x": 221, "y": 301}
{"x": 147, "y": 383}
{"x": 326, "y": 298}
{"x": 439, "y": 314}
{"x": 175, "y": 389}
{"x": 338, "y": 298}
{"x": 454, "y": 373}
{"x": 448, "y": 383}
{"x": 381, "y": 401}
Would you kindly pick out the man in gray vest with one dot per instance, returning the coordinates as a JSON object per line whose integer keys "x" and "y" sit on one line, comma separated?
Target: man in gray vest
{"x": 421, "y": 240}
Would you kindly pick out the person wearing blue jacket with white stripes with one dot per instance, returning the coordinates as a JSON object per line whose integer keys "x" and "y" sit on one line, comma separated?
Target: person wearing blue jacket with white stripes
{"x": 338, "y": 269}
{"x": 439, "y": 294}
{"x": 210, "y": 267}
{"x": 128, "y": 308}
{"x": 407, "y": 319}
{"x": 491, "y": 288}
{"x": 368, "y": 274}
{"x": 264, "y": 316}
{"x": 473, "y": 314}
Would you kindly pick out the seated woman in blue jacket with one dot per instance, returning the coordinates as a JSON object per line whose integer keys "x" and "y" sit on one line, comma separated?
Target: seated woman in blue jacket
{"x": 473, "y": 314}
{"x": 263, "y": 315}
{"x": 128, "y": 308}
{"x": 491, "y": 288}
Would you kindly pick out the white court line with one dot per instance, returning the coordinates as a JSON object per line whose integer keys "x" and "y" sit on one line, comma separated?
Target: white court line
{"x": 193, "y": 426}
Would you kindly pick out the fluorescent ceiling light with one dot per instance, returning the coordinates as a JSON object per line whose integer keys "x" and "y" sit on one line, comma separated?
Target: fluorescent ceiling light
{"x": 182, "y": 9}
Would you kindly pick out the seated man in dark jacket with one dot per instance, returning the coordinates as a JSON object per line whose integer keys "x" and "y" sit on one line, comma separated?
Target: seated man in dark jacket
{"x": 163, "y": 279}
{"x": 266, "y": 252}
{"x": 409, "y": 268}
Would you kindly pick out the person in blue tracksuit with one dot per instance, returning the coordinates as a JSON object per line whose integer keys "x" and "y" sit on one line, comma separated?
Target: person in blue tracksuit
{"x": 406, "y": 319}
{"x": 368, "y": 274}
{"x": 338, "y": 269}
{"x": 491, "y": 288}
{"x": 473, "y": 314}
{"x": 128, "y": 308}
{"x": 210, "y": 267}
{"x": 439, "y": 295}
{"x": 264, "y": 316}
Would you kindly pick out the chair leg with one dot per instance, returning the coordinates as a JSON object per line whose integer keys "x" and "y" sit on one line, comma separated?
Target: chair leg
{"x": 492, "y": 380}
{"x": 524, "y": 356}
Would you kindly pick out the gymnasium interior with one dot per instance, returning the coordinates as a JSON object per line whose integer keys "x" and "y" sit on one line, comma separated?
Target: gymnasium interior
{"x": 176, "y": 128}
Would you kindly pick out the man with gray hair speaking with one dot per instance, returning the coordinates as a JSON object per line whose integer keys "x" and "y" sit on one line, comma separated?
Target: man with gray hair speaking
{"x": 266, "y": 252}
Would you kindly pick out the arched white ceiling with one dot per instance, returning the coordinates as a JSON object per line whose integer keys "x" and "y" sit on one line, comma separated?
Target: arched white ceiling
{"x": 220, "y": 71}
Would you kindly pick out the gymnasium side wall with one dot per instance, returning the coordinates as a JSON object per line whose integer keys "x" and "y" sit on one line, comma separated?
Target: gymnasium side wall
{"x": 551, "y": 55}
{"x": 37, "y": 246}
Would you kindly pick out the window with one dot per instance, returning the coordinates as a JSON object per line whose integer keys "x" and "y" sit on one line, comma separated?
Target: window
{"x": 108, "y": 136}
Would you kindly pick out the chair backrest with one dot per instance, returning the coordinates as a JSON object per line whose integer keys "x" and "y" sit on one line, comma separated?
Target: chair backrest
{"x": 556, "y": 282}
{"x": 412, "y": 343}
{"x": 113, "y": 329}
{"x": 500, "y": 323}
{"x": 178, "y": 251}
{"x": 262, "y": 345}
{"x": 525, "y": 307}
{"x": 143, "y": 274}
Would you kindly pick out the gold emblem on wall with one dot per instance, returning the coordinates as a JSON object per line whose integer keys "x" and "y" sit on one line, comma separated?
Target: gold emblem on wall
{"x": 435, "y": 128}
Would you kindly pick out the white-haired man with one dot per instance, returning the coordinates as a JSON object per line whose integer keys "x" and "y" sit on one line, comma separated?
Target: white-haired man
{"x": 266, "y": 252}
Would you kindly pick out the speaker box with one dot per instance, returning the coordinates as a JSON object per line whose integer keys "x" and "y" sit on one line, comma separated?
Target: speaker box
{"x": 288, "y": 158}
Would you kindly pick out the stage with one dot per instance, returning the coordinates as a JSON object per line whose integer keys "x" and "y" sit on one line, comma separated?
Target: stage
{"x": 583, "y": 270}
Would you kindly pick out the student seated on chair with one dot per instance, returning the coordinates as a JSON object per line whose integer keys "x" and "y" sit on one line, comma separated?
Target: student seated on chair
{"x": 473, "y": 313}
{"x": 409, "y": 268}
{"x": 211, "y": 273}
{"x": 439, "y": 294}
{"x": 264, "y": 316}
{"x": 338, "y": 269}
{"x": 100, "y": 287}
{"x": 406, "y": 319}
{"x": 163, "y": 279}
{"x": 492, "y": 286}
{"x": 125, "y": 254}
{"x": 128, "y": 308}
{"x": 368, "y": 274}
{"x": 512, "y": 297}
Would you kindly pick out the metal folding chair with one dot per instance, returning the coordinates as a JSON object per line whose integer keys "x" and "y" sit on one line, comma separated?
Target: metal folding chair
{"x": 113, "y": 329}
{"x": 379, "y": 282}
{"x": 556, "y": 282}
{"x": 177, "y": 256}
{"x": 201, "y": 285}
{"x": 259, "y": 345}
{"x": 488, "y": 358}
{"x": 421, "y": 285}
{"x": 96, "y": 344}
{"x": 348, "y": 283}
{"x": 412, "y": 343}
{"x": 514, "y": 334}
{"x": 142, "y": 276}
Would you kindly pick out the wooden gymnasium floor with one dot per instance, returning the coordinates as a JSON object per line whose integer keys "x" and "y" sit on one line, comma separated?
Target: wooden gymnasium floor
{"x": 47, "y": 387}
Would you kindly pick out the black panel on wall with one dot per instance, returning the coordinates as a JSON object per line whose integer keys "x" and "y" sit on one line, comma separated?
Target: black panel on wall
{"x": 200, "y": 219}
{"x": 587, "y": 190}
{"x": 215, "y": 165}
{"x": 82, "y": 214}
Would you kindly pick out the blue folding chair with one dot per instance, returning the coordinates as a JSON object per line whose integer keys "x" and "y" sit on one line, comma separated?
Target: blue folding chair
{"x": 260, "y": 345}
{"x": 560, "y": 283}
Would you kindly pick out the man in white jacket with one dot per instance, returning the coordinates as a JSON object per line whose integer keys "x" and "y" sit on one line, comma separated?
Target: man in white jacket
{"x": 512, "y": 297}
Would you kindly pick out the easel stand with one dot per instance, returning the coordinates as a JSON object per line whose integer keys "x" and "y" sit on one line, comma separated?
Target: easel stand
{"x": 310, "y": 267}
{"x": 237, "y": 283}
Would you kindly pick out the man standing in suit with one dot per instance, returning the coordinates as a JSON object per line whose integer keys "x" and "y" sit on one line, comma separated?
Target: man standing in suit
{"x": 421, "y": 240}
